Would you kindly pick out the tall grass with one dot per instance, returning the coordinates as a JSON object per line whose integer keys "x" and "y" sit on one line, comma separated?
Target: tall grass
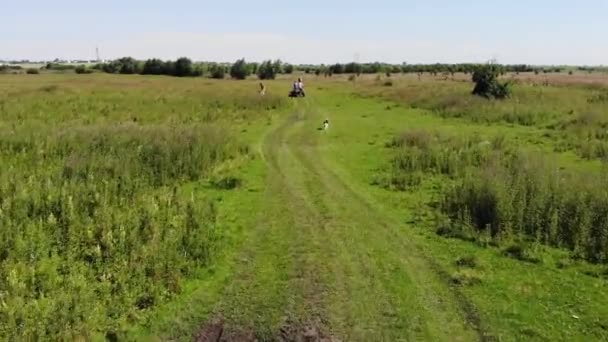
{"x": 527, "y": 106}
{"x": 419, "y": 153}
{"x": 510, "y": 194}
{"x": 586, "y": 133}
{"x": 95, "y": 229}
{"x": 528, "y": 199}
{"x": 576, "y": 117}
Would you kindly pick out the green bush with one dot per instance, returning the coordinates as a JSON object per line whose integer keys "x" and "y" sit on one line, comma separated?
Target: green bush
{"x": 183, "y": 67}
{"x": 155, "y": 67}
{"x": 253, "y": 68}
{"x": 217, "y": 71}
{"x": 128, "y": 65}
{"x": 81, "y": 69}
{"x": 268, "y": 70}
{"x": 487, "y": 84}
{"x": 59, "y": 67}
{"x": 336, "y": 68}
{"x": 32, "y": 71}
{"x": 125, "y": 65}
{"x": 288, "y": 69}
{"x": 10, "y": 67}
{"x": 520, "y": 252}
{"x": 240, "y": 70}
{"x": 468, "y": 261}
{"x": 353, "y": 68}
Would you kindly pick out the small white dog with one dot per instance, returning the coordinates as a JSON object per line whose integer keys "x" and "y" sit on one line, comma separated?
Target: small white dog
{"x": 325, "y": 124}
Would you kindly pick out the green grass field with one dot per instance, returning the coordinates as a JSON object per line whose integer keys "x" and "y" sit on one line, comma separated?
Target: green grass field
{"x": 155, "y": 208}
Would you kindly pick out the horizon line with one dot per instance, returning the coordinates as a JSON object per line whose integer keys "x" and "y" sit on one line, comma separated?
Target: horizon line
{"x": 93, "y": 60}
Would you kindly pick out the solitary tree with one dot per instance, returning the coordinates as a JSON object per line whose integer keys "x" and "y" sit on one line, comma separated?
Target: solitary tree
{"x": 487, "y": 84}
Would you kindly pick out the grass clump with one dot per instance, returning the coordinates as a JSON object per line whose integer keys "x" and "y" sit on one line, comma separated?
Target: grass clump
{"x": 465, "y": 277}
{"x": 226, "y": 183}
{"x": 82, "y": 69}
{"x": 468, "y": 261}
{"x": 452, "y": 232}
{"x": 520, "y": 252}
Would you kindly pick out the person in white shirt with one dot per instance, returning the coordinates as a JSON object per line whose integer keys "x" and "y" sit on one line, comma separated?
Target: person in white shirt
{"x": 298, "y": 89}
{"x": 300, "y": 86}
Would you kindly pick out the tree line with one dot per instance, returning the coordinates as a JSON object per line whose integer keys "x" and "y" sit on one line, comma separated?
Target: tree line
{"x": 184, "y": 67}
{"x": 241, "y": 69}
{"x": 437, "y": 68}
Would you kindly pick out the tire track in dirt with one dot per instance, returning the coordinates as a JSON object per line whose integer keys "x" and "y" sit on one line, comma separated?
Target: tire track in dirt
{"x": 325, "y": 261}
{"x": 467, "y": 309}
{"x": 284, "y": 244}
{"x": 338, "y": 191}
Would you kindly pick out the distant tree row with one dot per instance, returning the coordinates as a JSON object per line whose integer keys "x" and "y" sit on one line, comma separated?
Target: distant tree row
{"x": 10, "y": 67}
{"x": 433, "y": 69}
{"x": 242, "y": 69}
{"x": 59, "y": 66}
{"x": 182, "y": 67}
{"x": 373, "y": 68}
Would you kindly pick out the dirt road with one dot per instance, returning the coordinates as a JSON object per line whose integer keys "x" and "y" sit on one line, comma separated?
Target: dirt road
{"x": 325, "y": 263}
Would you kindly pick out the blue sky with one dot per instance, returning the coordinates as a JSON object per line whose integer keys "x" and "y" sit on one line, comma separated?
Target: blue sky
{"x": 516, "y": 31}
